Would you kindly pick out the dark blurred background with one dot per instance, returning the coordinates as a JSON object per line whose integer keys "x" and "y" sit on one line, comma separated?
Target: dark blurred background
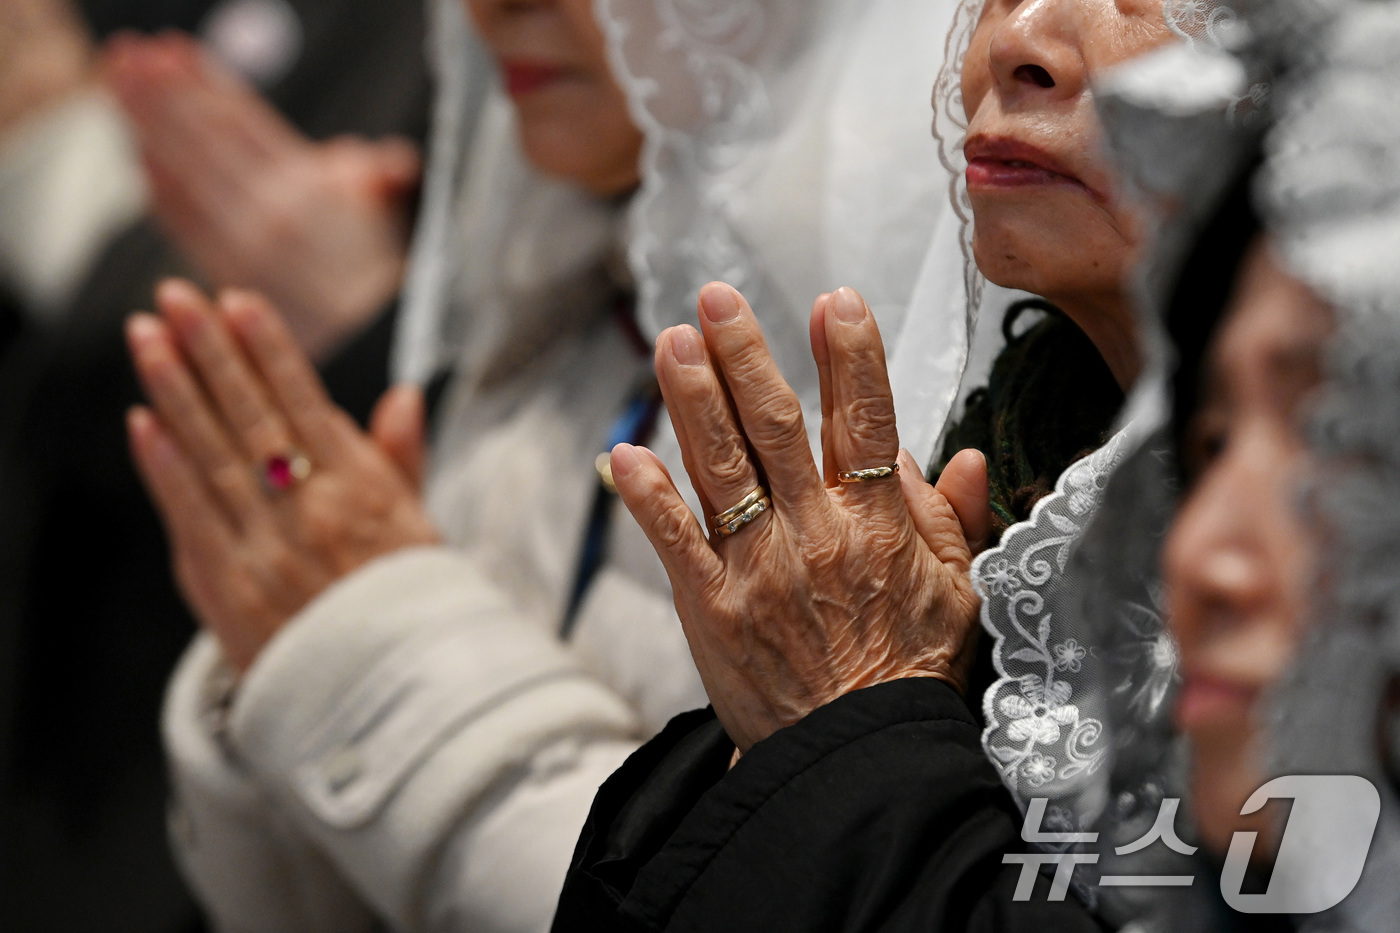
{"x": 108, "y": 16}
{"x": 90, "y": 624}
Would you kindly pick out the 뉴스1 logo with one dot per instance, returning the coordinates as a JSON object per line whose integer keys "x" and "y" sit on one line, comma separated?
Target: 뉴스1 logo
{"x": 1335, "y": 813}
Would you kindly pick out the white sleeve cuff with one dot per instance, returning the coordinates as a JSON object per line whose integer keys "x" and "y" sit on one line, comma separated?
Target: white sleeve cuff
{"x": 250, "y": 869}
{"x": 505, "y": 870}
{"x": 70, "y": 180}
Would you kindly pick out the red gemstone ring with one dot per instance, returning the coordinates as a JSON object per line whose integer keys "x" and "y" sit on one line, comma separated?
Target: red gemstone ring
{"x": 281, "y": 472}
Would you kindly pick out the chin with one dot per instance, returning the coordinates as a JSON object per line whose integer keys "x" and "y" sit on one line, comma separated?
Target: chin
{"x": 1051, "y": 244}
{"x": 1225, "y": 771}
{"x": 602, "y": 159}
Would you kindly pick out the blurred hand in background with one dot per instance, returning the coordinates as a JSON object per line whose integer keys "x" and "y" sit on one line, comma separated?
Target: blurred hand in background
{"x": 321, "y": 229}
{"x": 45, "y": 54}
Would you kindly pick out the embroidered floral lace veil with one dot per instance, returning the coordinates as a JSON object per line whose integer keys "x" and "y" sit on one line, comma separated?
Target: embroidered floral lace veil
{"x": 1100, "y": 666}
{"x": 1330, "y": 195}
{"x": 789, "y": 153}
{"x": 1083, "y": 662}
{"x": 499, "y": 247}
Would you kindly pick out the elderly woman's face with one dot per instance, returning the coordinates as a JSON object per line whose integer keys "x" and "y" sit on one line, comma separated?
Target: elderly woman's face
{"x": 1048, "y": 219}
{"x": 573, "y": 117}
{"x": 1238, "y": 560}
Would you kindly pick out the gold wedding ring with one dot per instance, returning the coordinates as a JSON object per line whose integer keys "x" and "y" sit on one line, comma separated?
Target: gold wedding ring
{"x": 748, "y": 515}
{"x": 865, "y": 476}
{"x": 746, "y": 510}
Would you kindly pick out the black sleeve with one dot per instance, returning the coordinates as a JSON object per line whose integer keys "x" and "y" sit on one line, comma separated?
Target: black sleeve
{"x": 876, "y": 812}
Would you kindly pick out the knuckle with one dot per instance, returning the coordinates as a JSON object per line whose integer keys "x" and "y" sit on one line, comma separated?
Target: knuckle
{"x": 321, "y": 523}
{"x": 264, "y": 429}
{"x": 229, "y": 480}
{"x": 781, "y": 423}
{"x": 871, "y": 419}
{"x": 730, "y": 467}
{"x": 825, "y": 556}
{"x": 671, "y": 527}
{"x": 748, "y": 364}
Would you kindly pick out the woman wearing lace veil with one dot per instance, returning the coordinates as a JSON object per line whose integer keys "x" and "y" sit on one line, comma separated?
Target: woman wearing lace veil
{"x": 411, "y": 732}
{"x": 860, "y": 578}
{"x": 1233, "y": 568}
{"x": 1278, "y": 566}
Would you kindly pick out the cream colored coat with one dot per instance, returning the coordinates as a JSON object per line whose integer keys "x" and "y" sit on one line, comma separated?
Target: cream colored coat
{"x": 417, "y": 743}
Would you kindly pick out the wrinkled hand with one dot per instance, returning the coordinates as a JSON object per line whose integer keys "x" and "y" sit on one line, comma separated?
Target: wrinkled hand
{"x": 45, "y": 54}
{"x": 837, "y": 586}
{"x": 320, "y": 228}
{"x": 230, "y": 389}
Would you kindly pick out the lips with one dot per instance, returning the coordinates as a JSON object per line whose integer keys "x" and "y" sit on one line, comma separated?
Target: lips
{"x": 524, "y": 77}
{"x": 1205, "y": 701}
{"x": 1000, "y": 162}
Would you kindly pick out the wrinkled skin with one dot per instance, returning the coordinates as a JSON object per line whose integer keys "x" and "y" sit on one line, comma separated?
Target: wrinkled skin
{"x": 837, "y": 586}
{"x": 230, "y": 388}
{"x": 1067, "y": 234}
{"x": 1239, "y": 558}
{"x": 45, "y": 55}
{"x": 321, "y": 229}
{"x": 574, "y": 123}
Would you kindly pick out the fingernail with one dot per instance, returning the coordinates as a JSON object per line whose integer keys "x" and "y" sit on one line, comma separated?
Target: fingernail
{"x": 142, "y": 329}
{"x": 850, "y": 307}
{"x": 686, "y": 346}
{"x": 719, "y": 304}
{"x": 625, "y": 460}
{"x": 242, "y": 311}
{"x": 137, "y": 420}
{"x": 178, "y": 291}
{"x": 145, "y": 433}
{"x": 180, "y": 301}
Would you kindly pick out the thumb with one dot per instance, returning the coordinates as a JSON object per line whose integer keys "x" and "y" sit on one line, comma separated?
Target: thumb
{"x": 397, "y": 428}
{"x": 964, "y": 485}
{"x": 385, "y": 170}
{"x": 934, "y": 519}
{"x": 398, "y": 168}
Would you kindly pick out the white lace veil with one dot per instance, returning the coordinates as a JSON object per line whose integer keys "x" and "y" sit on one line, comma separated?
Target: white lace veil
{"x": 1330, "y": 195}
{"x": 1083, "y": 661}
{"x": 1184, "y": 122}
{"x": 499, "y": 247}
{"x": 1079, "y": 715}
{"x": 950, "y": 129}
{"x": 788, "y": 152}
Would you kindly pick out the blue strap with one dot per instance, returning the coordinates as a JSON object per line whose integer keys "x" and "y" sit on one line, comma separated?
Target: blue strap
{"x": 633, "y": 426}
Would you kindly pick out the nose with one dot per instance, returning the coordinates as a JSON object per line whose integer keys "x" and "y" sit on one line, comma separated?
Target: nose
{"x": 1035, "y": 52}
{"x": 1216, "y": 559}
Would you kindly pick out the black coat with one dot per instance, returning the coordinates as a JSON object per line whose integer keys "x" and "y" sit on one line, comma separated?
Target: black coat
{"x": 878, "y": 811}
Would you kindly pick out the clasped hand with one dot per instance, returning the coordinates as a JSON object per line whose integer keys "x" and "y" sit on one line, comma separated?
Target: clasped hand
{"x": 321, "y": 228}
{"x": 837, "y": 586}
{"x": 231, "y": 391}
{"x": 45, "y": 55}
